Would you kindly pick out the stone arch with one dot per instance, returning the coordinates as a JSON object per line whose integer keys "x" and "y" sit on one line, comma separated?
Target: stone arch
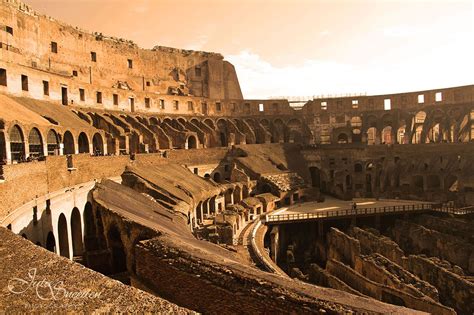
{"x": 278, "y": 131}
{"x": 154, "y": 121}
{"x": 89, "y": 223}
{"x": 237, "y": 194}
{"x": 420, "y": 117}
{"x": 35, "y": 143}
{"x": 417, "y": 135}
{"x": 371, "y": 135}
{"x": 192, "y": 142}
{"x": 76, "y": 232}
{"x": 51, "y": 242}
{"x": 53, "y": 142}
{"x": 3, "y": 149}
{"x": 63, "y": 236}
{"x": 209, "y": 123}
{"x": 117, "y": 248}
{"x": 358, "y": 168}
{"x": 418, "y": 182}
{"x": 342, "y": 138}
{"x": 17, "y": 143}
{"x": 315, "y": 176}
{"x": 433, "y": 182}
{"x": 182, "y": 120}
{"x": 83, "y": 143}
{"x": 401, "y": 134}
{"x": 68, "y": 141}
{"x": 98, "y": 144}
{"x": 222, "y": 128}
{"x": 387, "y": 135}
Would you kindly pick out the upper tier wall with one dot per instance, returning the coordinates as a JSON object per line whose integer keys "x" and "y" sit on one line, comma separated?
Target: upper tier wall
{"x": 41, "y": 44}
{"x": 405, "y": 101}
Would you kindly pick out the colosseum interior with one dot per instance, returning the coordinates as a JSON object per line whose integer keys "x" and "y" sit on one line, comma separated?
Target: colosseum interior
{"x": 137, "y": 180}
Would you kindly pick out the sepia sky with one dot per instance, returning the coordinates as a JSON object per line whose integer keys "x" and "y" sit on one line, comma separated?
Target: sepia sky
{"x": 300, "y": 47}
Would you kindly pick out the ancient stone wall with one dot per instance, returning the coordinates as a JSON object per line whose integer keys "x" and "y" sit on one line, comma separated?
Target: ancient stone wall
{"x": 453, "y": 289}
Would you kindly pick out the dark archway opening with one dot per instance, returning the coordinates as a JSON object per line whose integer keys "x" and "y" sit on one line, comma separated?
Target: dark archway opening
{"x": 17, "y": 144}
{"x": 315, "y": 176}
{"x": 76, "y": 230}
{"x": 53, "y": 143}
{"x": 63, "y": 237}
{"x": 98, "y": 145}
{"x": 192, "y": 142}
{"x": 119, "y": 258}
{"x": 35, "y": 143}
{"x": 51, "y": 242}
{"x": 83, "y": 143}
{"x": 69, "y": 147}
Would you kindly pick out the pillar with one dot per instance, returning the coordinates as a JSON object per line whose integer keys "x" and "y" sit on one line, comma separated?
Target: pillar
{"x": 274, "y": 243}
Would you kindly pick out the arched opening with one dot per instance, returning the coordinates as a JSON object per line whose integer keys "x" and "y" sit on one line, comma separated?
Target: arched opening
{"x": 63, "y": 237}
{"x": 387, "y": 135}
{"x": 51, "y": 242}
{"x": 266, "y": 188}
{"x": 68, "y": 141}
{"x": 420, "y": 117}
{"x": 237, "y": 194}
{"x": 417, "y": 135}
{"x": 357, "y": 167}
{"x": 356, "y": 135}
{"x": 119, "y": 257}
{"x": 434, "y": 134}
{"x": 315, "y": 176}
{"x": 192, "y": 142}
{"x": 342, "y": 138}
{"x": 401, "y": 138}
{"x": 371, "y": 135}
{"x": 418, "y": 182}
{"x": 17, "y": 144}
{"x": 433, "y": 182}
{"x": 53, "y": 143}
{"x": 348, "y": 182}
{"x": 98, "y": 144}
{"x": 83, "y": 143}
{"x": 76, "y": 231}
{"x": 3, "y": 149}
{"x": 35, "y": 143}
{"x": 368, "y": 183}
{"x": 89, "y": 226}
{"x": 217, "y": 177}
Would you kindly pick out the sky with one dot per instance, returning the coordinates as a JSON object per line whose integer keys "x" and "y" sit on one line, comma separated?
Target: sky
{"x": 300, "y": 47}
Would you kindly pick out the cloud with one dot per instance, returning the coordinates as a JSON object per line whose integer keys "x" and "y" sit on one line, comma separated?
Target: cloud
{"x": 259, "y": 79}
{"x": 324, "y": 33}
{"x": 401, "y": 31}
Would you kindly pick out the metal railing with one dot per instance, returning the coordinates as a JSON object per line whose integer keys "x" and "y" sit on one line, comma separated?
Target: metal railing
{"x": 348, "y": 212}
{"x": 454, "y": 210}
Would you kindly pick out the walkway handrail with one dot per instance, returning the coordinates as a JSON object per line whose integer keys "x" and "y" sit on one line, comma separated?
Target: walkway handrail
{"x": 366, "y": 211}
{"x": 347, "y": 212}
